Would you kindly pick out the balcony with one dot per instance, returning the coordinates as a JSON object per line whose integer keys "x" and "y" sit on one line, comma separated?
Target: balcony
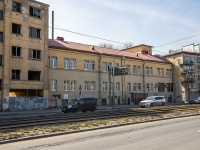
{"x": 187, "y": 71}
{"x": 188, "y": 80}
{"x": 187, "y": 63}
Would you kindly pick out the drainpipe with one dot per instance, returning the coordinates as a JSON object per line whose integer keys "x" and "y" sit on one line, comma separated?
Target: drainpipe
{"x": 143, "y": 75}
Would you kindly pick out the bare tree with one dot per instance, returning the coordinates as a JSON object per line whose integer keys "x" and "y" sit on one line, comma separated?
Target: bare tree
{"x": 106, "y": 45}
{"x": 127, "y": 45}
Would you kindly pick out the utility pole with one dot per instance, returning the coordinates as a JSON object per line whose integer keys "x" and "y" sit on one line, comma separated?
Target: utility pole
{"x": 188, "y": 89}
{"x": 109, "y": 78}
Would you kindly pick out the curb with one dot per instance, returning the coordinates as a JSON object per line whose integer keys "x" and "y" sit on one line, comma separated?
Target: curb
{"x": 91, "y": 129}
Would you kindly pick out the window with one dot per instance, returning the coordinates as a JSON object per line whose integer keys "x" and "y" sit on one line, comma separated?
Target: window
{"x": 161, "y": 87}
{"x": 128, "y": 68}
{"x": 150, "y": 71}
{"x": 1, "y": 36}
{"x": 1, "y": 15}
{"x": 138, "y": 70}
{"x": 135, "y": 87}
{"x": 16, "y": 28}
{"x": 158, "y": 70}
{"x": 53, "y": 62}
{"x": 1, "y": 60}
{"x": 35, "y": 12}
{"x": 161, "y": 72}
{"x": 104, "y": 67}
{"x": 92, "y": 86}
{"x": 66, "y": 63}
{"x": 116, "y": 65}
{"x": 73, "y": 85}
{"x": 134, "y": 69}
{"x": 151, "y": 87}
{"x": 53, "y": 85}
{"x": 86, "y": 64}
{"x": 167, "y": 73}
{"x": 129, "y": 87}
{"x": 87, "y": 84}
{"x": 16, "y": 6}
{"x": 198, "y": 59}
{"x": 169, "y": 87}
{"x": 170, "y": 73}
{"x": 34, "y": 75}
{"x": 1, "y": 84}
{"x": 105, "y": 86}
{"x": 73, "y": 63}
{"x": 117, "y": 86}
{"x": 35, "y": 54}
{"x": 147, "y": 70}
{"x": 109, "y": 66}
{"x": 92, "y": 65}
{"x": 16, "y": 51}
{"x": 66, "y": 85}
{"x": 139, "y": 86}
{"x": 147, "y": 87}
{"x": 16, "y": 74}
{"x": 34, "y": 32}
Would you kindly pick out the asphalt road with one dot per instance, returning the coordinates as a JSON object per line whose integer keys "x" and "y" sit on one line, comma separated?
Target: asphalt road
{"x": 174, "y": 134}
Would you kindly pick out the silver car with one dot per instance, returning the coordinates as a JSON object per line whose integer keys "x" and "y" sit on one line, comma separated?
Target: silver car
{"x": 153, "y": 101}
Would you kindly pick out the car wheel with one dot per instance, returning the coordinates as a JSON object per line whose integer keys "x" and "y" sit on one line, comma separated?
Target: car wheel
{"x": 163, "y": 104}
{"x": 83, "y": 111}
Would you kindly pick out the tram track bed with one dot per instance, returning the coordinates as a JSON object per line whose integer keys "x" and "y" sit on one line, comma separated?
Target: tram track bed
{"x": 25, "y": 127}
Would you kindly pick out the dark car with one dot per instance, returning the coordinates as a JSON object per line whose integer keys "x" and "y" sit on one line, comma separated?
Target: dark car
{"x": 195, "y": 101}
{"x": 80, "y": 104}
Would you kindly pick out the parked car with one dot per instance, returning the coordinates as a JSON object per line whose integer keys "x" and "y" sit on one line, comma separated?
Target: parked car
{"x": 195, "y": 101}
{"x": 80, "y": 104}
{"x": 153, "y": 101}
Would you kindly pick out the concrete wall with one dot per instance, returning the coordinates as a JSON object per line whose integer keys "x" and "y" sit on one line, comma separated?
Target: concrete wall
{"x": 27, "y": 103}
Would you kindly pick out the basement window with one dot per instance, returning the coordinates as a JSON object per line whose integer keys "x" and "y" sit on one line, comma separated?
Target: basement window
{"x": 35, "y": 12}
{"x": 16, "y": 28}
{"x": 34, "y": 32}
{"x": 34, "y": 75}
{"x": 1, "y": 36}
{"x": 1, "y": 15}
{"x": 35, "y": 54}
{"x": 16, "y": 51}
{"x": 16, "y": 74}
{"x": 16, "y": 6}
{"x": 1, "y": 84}
{"x": 1, "y": 60}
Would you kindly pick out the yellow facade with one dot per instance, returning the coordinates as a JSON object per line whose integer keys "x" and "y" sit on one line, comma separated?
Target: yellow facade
{"x": 18, "y": 20}
{"x": 84, "y": 77}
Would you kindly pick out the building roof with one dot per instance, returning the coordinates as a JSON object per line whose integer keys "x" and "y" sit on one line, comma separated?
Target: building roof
{"x": 66, "y": 45}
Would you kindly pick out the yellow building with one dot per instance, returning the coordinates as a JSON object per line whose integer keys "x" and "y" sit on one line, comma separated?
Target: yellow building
{"x": 23, "y": 53}
{"x": 80, "y": 70}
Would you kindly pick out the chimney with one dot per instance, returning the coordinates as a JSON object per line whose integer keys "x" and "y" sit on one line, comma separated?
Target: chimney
{"x": 60, "y": 38}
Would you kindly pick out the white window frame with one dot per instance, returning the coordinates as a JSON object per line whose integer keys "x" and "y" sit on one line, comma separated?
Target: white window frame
{"x": 150, "y": 71}
{"x": 86, "y": 64}
{"x": 53, "y": 85}
{"x": 158, "y": 71}
{"x": 66, "y": 85}
{"x": 117, "y": 87}
{"x": 134, "y": 69}
{"x": 92, "y": 65}
{"x": 73, "y": 63}
{"x": 73, "y": 85}
{"x": 87, "y": 85}
{"x": 135, "y": 87}
{"x": 139, "y": 87}
{"x": 92, "y": 86}
{"x": 104, "y": 66}
{"x": 147, "y": 87}
{"x": 105, "y": 86}
{"x": 138, "y": 70}
{"x": 53, "y": 61}
{"x": 147, "y": 70}
{"x": 66, "y": 63}
{"x": 129, "y": 87}
{"x": 151, "y": 87}
{"x": 161, "y": 72}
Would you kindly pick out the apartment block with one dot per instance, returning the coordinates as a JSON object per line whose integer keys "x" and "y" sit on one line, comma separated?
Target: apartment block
{"x": 187, "y": 62}
{"x": 81, "y": 70}
{"x": 23, "y": 54}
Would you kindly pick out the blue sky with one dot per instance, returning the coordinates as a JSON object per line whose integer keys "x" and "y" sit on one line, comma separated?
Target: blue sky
{"x": 151, "y": 22}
